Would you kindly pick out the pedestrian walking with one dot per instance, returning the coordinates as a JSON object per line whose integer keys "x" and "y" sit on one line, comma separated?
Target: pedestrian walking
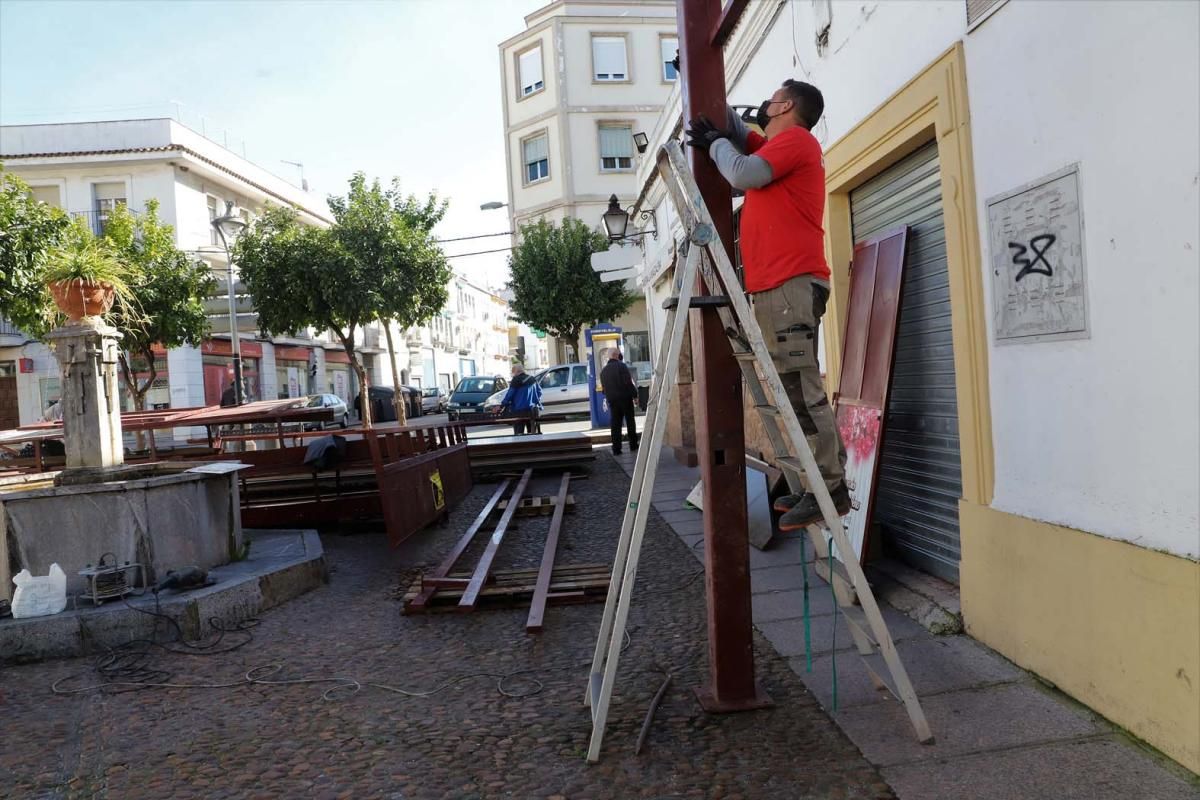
{"x": 524, "y": 401}
{"x": 620, "y": 391}
{"x": 783, "y": 250}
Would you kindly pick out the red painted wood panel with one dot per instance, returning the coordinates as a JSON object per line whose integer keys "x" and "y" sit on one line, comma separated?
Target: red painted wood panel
{"x": 871, "y": 318}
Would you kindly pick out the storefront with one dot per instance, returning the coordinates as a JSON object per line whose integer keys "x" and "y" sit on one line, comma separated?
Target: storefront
{"x": 292, "y": 371}
{"x": 217, "y": 358}
{"x": 158, "y": 396}
{"x": 338, "y": 378}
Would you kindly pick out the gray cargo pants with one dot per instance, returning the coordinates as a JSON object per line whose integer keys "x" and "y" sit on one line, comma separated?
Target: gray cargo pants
{"x": 789, "y": 316}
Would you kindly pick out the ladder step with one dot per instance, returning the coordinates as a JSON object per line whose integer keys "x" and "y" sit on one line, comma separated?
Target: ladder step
{"x": 839, "y": 572}
{"x": 878, "y": 668}
{"x": 858, "y": 618}
{"x": 767, "y": 410}
{"x": 699, "y": 301}
{"x": 792, "y": 463}
{"x": 746, "y": 356}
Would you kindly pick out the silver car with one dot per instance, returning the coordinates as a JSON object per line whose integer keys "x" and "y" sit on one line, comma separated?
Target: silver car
{"x": 341, "y": 413}
{"x": 433, "y": 400}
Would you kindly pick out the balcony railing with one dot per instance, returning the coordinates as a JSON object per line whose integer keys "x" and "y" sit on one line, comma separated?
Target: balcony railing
{"x": 96, "y": 220}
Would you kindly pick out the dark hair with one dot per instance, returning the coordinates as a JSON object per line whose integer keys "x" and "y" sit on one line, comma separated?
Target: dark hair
{"x": 809, "y": 102}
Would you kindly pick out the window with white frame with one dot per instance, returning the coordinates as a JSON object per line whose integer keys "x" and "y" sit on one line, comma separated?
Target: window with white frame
{"x": 608, "y": 58}
{"x": 107, "y": 197}
{"x": 616, "y": 148}
{"x": 212, "y": 214}
{"x": 50, "y": 195}
{"x": 529, "y": 67}
{"x": 536, "y": 157}
{"x": 669, "y": 49}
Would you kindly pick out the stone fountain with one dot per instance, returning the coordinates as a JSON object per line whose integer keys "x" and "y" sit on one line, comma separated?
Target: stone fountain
{"x": 163, "y": 515}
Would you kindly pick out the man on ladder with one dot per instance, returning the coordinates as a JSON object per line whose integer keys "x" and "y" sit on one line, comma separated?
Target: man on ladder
{"x": 783, "y": 250}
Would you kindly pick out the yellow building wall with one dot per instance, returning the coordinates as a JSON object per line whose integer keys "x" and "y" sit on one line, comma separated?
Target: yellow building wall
{"x": 1114, "y": 625}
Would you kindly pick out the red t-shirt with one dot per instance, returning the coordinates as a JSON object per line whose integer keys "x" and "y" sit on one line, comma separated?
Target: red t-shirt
{"x": 781, "y": 233}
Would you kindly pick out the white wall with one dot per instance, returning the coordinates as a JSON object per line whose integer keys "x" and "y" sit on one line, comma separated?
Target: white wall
{"x": 1101, "y": 434}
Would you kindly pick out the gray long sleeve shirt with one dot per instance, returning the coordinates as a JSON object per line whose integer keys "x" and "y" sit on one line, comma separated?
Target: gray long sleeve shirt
{"x": 742, "y": 171}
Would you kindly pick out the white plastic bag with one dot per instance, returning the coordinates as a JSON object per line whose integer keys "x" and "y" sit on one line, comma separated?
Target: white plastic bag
{"x": 39, "y": 596}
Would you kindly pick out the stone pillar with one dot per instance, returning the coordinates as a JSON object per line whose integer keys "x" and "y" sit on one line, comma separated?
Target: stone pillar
{"x": 87, "y": 355}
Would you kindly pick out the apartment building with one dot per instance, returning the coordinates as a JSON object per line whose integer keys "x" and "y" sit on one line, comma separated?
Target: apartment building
{"x": 1040, "y": 439}
{"x": 469, "y": 337}
{"x": 89, "y": 168}
{"x": 578, "y": 83}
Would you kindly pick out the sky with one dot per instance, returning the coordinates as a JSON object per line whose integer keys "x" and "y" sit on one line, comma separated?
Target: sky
{"x": 403, "y": 88}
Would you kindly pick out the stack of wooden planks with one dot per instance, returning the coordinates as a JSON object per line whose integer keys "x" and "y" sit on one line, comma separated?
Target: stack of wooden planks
{"x": 546, "y": 451}
{"x": 443, "y": 589}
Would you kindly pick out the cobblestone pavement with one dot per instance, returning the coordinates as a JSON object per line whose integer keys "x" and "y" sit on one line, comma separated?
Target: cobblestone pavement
{"x": 466, "y": 741}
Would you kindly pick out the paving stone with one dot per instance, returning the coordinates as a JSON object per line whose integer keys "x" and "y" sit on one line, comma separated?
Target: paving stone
{"x": 788, "y": 635}
{"x": 465, "y": 741}
{"x": 966, "y": 721}
{"x": 773, "y": 606}
{"x": 1101, "y": 769}
{"x": 785, "y": 578}
{"x": 934, "y": 664}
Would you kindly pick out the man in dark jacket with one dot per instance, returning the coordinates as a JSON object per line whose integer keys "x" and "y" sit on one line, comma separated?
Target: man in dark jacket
{"x": 620, "y": 391}
{"x": 522, "y": 400}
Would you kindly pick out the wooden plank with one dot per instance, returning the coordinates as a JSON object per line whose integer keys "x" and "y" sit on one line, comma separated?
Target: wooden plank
{"x": 537, "y": 608}
{"x": 443, "y": 570}
{"x": 471, "y": 595}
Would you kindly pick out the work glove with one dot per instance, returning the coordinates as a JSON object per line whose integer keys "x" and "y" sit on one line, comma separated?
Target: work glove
{"x": 702, "y": 133}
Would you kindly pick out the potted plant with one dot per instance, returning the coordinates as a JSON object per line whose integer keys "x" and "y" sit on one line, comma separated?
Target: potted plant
{"x": 84, "y": 276}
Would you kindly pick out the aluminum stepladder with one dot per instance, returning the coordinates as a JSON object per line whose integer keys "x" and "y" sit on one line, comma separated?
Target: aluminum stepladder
{"x": 706, "y": 256}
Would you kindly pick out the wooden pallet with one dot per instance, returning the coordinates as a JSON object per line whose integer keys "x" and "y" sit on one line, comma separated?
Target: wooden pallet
{"x": 577, "y": 583}
{"x": 541, "y": 506}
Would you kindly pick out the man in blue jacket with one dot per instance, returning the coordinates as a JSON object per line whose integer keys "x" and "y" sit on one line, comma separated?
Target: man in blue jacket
{"x": 523, "y": 400}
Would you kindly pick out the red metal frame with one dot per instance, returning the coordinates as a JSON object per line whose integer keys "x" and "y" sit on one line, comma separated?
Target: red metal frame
{"x": 720, "y": 434}
{"x": 484, "y": 568}
{"x": 537, "y": 607}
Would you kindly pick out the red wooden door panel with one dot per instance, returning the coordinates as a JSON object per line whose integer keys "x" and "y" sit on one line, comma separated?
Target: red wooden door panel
{"x": 871, "y": 319}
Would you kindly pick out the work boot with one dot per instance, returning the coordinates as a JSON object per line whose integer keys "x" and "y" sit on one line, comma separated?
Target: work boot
{"x": 788, "y": 501}
{"x": 806, "y": 511}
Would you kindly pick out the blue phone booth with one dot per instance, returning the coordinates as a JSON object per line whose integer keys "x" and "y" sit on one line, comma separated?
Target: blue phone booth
{"x": 597, "y": 340}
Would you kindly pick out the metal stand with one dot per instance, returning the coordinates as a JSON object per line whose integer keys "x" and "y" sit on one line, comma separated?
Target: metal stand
{"x": 707, "y": 258}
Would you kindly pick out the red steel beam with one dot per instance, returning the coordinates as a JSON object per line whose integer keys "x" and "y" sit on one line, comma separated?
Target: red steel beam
{"x": 537, "y": 608}
{"x": 720, "y": 437}
{"x": 729, "y": 19}
{"x": 431, "y": 584}
{"x": 471, "y": 596}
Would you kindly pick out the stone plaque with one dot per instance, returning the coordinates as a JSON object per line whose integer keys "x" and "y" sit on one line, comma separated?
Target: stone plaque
{"x": 1035, "y": 234}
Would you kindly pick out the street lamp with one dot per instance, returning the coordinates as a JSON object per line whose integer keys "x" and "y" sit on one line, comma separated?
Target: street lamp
{"x": 616, "y": 222}
{"x": 228, "y": 227}
{"x": 492, "y": 205}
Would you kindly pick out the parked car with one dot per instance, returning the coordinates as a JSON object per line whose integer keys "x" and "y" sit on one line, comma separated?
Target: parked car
{"x": 433, "y": 400}
{"x": 341, "y": 413}
{"x": 564, "y": 390}
{"x": 382, "y": 409}
{"x": 468, "y": 397}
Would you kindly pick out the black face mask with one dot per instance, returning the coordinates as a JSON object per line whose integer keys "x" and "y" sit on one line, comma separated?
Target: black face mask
{"x": 763, "y": 117}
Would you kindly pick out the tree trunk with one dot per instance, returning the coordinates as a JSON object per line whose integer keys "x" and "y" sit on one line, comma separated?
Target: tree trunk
{"x": 137, "y": 397}
{"x": 364, "y": 386}
{"x": 399, "y": 398}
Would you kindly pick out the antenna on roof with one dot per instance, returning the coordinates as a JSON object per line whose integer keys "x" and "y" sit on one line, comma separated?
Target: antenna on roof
{"x": 300, "y": 166}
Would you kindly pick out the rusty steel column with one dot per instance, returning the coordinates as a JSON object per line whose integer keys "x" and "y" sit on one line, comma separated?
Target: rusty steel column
{"x": 720, "y": 437}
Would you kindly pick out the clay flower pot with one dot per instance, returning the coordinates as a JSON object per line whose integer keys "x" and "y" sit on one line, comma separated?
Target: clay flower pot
{"x": 78, "y": 299}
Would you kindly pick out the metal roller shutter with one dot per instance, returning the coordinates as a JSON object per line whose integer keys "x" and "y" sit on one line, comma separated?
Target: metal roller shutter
{"x": 919, "y": 479}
